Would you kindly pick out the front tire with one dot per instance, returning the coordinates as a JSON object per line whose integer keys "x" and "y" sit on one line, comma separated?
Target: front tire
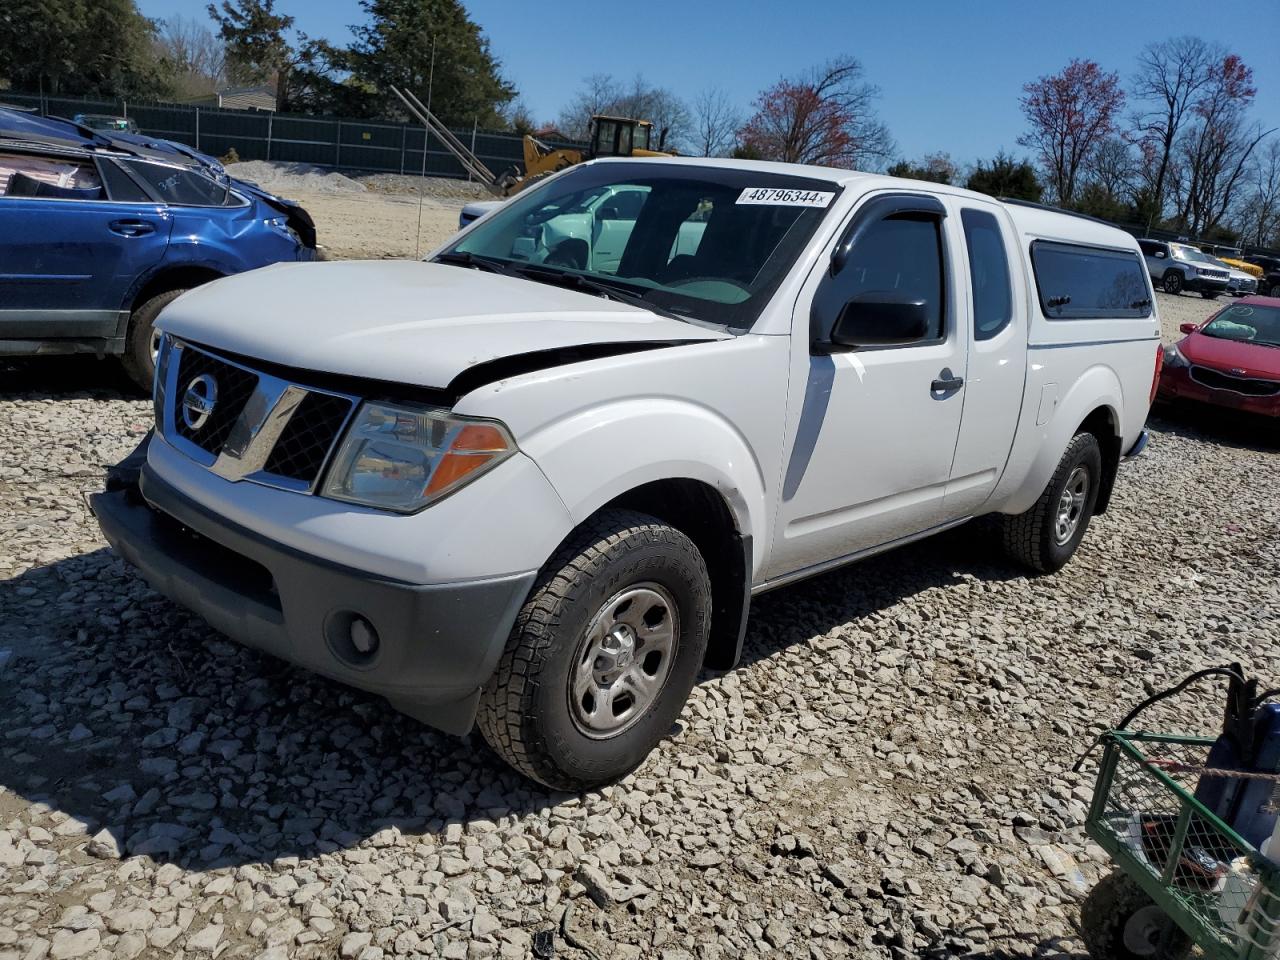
{"x": 139, "y": 358}
{"x": 603, "y": 654}
{"x": 1275, "y": 290}
{"x": 1119, "y": 921}
{"x": 1172, "y": 282}
{"x": 1045, "y": 537}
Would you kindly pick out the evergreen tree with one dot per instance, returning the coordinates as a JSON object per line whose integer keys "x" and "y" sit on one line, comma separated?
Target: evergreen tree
{"x": 1006, "y": 177}
{"x": 395, "y": 48}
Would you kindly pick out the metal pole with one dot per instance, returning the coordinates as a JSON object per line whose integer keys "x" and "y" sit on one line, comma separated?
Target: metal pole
{"x": 404, "y": 135}
{"x": 431, "y": 76}
{"x": 270, "y": 117}
{"x": 337, "y": 155}
{"x": 197, "y": 128}
{"x": 474, "y": 124}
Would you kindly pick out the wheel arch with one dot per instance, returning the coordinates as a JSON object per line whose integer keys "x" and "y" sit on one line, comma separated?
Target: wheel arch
{"x": 176, "y": 277}
{"x": 701, "y": 513}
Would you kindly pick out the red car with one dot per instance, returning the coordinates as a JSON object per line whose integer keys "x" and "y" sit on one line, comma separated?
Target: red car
{"x": 1230, "y": 360}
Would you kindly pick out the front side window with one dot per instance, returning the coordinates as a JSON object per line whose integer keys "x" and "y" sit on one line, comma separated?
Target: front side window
{"x": 988, "y": 273}
{"x": 900, "y": 255}
{"x": 707, "y": 243}
{"x": 1081, "y": 283}
{"x": 182, "y": 187}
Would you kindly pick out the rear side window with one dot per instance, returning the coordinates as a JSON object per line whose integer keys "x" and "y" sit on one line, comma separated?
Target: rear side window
{"x": 120, "y": 186}
{"x": 183, "y": 188}
{"x": 1083, "y": 283}
{"x": 988, "y": 272}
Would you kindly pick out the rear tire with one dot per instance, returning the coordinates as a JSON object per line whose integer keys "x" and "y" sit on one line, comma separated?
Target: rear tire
{"x": 576, "y": 702}
{"x": 139, "y": 357}
{"x": 1275, "y": 290}
{"x": 1119, "y": 921}
{"x": 1045, "y": 537}
{"x": 1172, "y": 282}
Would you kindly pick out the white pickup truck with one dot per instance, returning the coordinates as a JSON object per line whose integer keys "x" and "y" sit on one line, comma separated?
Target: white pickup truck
{"x": 521, "y": 487}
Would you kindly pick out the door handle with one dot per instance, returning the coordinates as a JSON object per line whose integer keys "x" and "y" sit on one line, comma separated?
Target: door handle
{"x": 946, "y": 382}
{"x": 131, "y": 228}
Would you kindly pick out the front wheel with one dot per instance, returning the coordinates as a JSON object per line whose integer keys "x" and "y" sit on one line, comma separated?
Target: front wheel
{"x": 1046, "y": 536}
{"x": 603, "y": 654}
{"x": 143, "y": 340}
{"x": 1173, "y": 282}
{"x": 1275, "y": 290}
{"x": 1120, "y": 921}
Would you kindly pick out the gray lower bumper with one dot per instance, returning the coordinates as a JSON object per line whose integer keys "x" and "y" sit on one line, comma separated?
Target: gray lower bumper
{"x": 1140, "y": 444}
{"x": 437, "y": 643}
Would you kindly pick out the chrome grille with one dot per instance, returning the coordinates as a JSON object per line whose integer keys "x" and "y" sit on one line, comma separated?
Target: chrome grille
{"x": 235, "y": 386}
{"x": 261, "y": 428}
{"x": 305, "y": 442}
{"x": 1249, "y": 386}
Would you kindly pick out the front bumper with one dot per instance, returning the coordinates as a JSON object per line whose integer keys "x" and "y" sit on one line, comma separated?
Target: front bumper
{"x": 1176, "y": 383}
{"x": 438, "y": 643}
{"x": 1198, "y": 284}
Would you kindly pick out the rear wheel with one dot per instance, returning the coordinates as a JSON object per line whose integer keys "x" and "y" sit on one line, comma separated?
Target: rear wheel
{"x": 603, "y": 654}
{"x": 1046, "y": 536}
{"x": 1172, "y": 282}
{"x": 1119, "y": 921}
{"x": 142, "y": 341}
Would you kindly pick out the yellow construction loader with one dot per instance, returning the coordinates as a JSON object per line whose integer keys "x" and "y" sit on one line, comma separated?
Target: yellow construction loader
{"x": 609, "y": 137}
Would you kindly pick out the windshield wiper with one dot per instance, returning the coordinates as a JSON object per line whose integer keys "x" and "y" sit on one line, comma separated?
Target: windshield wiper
{"x": 610, "y": 291}
{"x": 463, "y": 258}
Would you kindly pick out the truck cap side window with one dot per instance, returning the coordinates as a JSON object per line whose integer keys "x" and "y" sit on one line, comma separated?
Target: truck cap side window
{"x": 898, "y": 256}
{"x": 1077, "y": 282}
{"x": 988, "y": 273}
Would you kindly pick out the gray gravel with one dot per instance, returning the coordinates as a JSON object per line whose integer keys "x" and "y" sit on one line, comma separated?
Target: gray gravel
{"x": 887, "y": 773}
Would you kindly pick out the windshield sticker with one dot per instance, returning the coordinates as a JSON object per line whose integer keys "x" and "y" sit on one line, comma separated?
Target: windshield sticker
{"x": 781, "y": 197}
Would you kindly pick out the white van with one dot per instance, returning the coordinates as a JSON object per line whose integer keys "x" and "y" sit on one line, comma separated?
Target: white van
{"x": 538, "y": 493}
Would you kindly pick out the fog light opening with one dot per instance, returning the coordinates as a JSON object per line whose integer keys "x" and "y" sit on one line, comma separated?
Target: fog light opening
{"x": 363, "y": 637}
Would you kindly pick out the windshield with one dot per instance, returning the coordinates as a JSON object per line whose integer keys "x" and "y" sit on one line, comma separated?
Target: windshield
{"x": 705, "y": 243}
{"x": 1247, "y": 323}
{"x": 1190, "y": 253}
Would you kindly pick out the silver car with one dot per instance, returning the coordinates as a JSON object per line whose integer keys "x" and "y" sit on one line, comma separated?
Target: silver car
{"x": 1177, "y": 266}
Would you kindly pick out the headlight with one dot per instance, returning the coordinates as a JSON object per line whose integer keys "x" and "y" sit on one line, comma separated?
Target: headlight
{"x": 1173, "y": 357}
{"x": 402, "y": 458}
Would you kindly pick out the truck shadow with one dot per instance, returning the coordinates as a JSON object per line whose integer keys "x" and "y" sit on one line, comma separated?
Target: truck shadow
{"x": 54, "y": 377}
{"x": 123, "y": 711}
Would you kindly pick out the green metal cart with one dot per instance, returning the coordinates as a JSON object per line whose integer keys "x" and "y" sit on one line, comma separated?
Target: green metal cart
{"x": 1184, "y": 877}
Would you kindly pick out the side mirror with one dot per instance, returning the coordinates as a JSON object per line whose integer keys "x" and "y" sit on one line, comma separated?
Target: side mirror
{"x": 608, "y": 212}
{"x": 1188, "y": 327}
{"x": 1160, "y": 254}
{"x": 881, "y": 318}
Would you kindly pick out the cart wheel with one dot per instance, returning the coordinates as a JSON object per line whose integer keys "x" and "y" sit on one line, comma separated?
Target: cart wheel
{"x": 1120, "y": 921}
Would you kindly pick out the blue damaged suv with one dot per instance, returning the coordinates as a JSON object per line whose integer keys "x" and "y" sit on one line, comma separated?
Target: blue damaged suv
{"x": 99, "y": 231}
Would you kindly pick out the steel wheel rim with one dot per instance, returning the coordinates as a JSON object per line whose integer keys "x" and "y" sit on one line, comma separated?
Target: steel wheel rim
{"x": 623, "y": 662}
{"x": 155, "y": 344}
{"x": 1142, "y": 931}
{"x": 1071, "y": 505}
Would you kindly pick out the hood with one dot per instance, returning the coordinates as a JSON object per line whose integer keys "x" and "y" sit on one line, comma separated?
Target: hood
{"x": 1232, "y": 355}
{"x": 420, "y": 324}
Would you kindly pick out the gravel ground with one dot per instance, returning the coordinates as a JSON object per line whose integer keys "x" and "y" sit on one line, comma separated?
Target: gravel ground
{"x": 886, "y": 774}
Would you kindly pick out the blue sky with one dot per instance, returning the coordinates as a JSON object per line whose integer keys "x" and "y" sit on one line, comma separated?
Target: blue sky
{"x": 950, "y": 71}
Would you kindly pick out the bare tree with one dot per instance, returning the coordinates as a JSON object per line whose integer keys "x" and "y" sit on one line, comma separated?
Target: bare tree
{"x": 1259, "y": 218}
{"x": 824, "y": 116}
{"x": 1070, "y": 113}
{"x": 602, "y": 93}
{"x": 715, "y": 123}
{"x": 1217, "y": 149}
{"x": 195, "y": 56}
{"x": 1172, "y": 76}
{"x": 1114, "y": 168}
